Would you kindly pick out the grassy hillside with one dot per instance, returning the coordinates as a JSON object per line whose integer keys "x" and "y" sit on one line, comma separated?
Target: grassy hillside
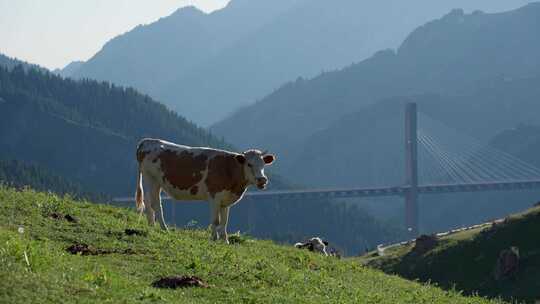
{"x": 37, "y": 269}
{"x": 466, "y": 260}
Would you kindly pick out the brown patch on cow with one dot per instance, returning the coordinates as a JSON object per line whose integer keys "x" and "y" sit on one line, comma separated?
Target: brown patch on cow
{"x": 225, "y": 173}
{"x": 194, "y": 190}
{"x": 182, "y": 170}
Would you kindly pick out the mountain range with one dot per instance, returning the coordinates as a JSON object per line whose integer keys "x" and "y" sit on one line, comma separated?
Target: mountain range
{"x": 462, "y": 68}
{"x": 205, "y": 66}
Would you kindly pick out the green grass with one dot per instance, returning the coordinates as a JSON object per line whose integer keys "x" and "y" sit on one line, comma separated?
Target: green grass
{"x": 251, "y": 271}
{"x": 466, "y": 260}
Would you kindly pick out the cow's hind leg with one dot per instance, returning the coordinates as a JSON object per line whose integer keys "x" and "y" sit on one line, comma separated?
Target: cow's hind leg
{"x": 158, "y": 207}
{"x": 151, "y": 190}
{"x": 214, "y": 219}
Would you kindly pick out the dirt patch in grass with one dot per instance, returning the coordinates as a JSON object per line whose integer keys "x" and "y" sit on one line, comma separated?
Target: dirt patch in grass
{"x": 71, "y": 218}
{"x": 130, "y": 231}
{"x": 68, "y": 217}
{"x": 84, "y": 249}
{"x": 179, "y": 282}
{"x": 127, "y": 232}
{"x": 236, "y": 239}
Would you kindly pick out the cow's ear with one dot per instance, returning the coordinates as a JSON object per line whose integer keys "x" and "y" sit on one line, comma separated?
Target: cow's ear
{"x": 240, "y": 158}
{"x": 268, "y": 159}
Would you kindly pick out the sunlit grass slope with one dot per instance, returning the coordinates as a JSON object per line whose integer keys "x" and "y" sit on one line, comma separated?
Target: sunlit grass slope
{"x": 36, "y": 268}
{"x": 466, "y": 260}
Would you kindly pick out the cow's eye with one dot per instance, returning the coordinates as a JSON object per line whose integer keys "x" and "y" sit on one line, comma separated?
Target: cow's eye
{"x": 249, "y": 165}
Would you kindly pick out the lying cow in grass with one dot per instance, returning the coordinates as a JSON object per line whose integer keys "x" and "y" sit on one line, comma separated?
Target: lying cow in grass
{"x": 191, "y": 173}
{"x": 316, "y": 244}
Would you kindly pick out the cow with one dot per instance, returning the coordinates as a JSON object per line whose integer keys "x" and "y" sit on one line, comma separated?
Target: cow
{"x": 196, "y": 174}
{"x": 316, "y": 244}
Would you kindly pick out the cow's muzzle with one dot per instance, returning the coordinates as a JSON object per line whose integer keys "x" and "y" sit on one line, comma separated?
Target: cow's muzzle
{"x": 261, "y": 182}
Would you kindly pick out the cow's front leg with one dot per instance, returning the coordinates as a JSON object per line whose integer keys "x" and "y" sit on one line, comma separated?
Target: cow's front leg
{"x": 224, "y": 219}
{"x": 158, "y": 209}
{"x": 214, "y": 220}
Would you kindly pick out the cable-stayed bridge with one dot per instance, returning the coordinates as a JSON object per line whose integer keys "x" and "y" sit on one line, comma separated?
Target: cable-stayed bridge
{"x": 433, "y": 165}
{"x": 471, "y": 166}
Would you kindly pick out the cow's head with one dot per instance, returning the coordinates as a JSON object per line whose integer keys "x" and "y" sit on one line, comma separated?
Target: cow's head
{"x": 254, "y": 162}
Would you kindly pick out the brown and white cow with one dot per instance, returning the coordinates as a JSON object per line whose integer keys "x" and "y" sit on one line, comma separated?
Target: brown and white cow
{"x": 195, "y": 173}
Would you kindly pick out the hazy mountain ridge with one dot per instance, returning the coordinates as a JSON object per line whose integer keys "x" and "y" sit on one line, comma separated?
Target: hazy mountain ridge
{"x": 69, "y": 69}
{"x": 522, "y": 141}
{"x": 373, "y": 137}
{"x": 150, "y": 57}
{"x": 442, "y": 63}
{"x": 205, "y": 66}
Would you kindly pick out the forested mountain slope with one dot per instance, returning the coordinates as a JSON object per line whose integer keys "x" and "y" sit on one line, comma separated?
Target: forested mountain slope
{"x": 10, "y": 63}
{"x": 85, "y": 130}
{"x": 18, "y": 174}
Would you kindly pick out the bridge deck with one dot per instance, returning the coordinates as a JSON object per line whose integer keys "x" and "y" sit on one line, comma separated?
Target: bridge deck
{"x": 384, "y": 191}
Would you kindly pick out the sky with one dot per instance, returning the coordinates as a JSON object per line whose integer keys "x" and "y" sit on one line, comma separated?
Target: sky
{"x": 67, "y": 30}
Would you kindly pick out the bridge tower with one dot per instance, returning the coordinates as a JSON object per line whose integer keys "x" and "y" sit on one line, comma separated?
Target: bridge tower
{"x": 411, "y": 169}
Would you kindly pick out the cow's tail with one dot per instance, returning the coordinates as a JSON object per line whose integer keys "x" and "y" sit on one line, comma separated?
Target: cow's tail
{"x": 139, "y": 201}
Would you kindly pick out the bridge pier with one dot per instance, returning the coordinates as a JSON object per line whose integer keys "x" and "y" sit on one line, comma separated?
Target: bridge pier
{"x": 411, "y": 169}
